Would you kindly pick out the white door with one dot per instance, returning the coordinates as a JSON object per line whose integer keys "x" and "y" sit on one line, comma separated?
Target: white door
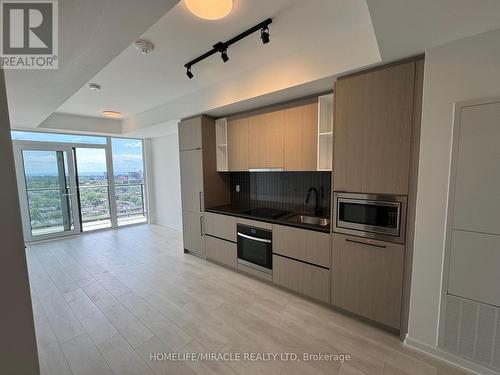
{"x": 47, "y": 190}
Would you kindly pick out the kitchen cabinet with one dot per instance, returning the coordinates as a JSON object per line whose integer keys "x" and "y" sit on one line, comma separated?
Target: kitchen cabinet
{"x": 201, "y": 185}
{"x": 190, "y": 134}
{"x": 306, "y": 245}
{"x": 237, "y": 144}
{"x": 282, "y": 137}
{"x": 301, "y": 136}
{"x": 303, "y": 278}
{"x": 367, "y": 277}
{"x": 222, "y": 226}
{"x": 221, "y": 144}
{"x": 192, "y": 228}
{"x": 266, "y": 140}
{"x": 191, "y": 167}
{"x": 373, "y": 125}
{"x": 221, "y": 251}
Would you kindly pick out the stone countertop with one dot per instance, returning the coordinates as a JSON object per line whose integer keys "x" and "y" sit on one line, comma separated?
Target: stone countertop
{"x": 238, "y": 211}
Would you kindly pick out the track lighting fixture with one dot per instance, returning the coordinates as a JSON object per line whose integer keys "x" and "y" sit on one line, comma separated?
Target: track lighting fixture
{"x": 224, "y": 56}
{"x": 264, "y": 35}
{"x": 222, "y": 47}
{"x": 188, "y": 72}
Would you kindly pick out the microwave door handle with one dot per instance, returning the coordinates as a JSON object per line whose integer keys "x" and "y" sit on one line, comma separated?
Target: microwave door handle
{"x": 365, "y": 243}
{"x": 253, "y": 238}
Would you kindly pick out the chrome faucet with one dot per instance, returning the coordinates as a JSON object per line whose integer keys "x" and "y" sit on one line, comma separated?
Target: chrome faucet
{"x": 317, "y": 209}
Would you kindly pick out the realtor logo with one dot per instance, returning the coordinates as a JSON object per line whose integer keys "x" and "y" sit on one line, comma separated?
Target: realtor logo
{"x": 29, "y": 34}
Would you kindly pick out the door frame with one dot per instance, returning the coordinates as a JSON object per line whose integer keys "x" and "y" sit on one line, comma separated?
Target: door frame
{"x": 19, "y": 146}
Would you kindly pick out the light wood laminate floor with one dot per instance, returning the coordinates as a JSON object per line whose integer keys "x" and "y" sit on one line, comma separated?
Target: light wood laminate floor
{"x": 104, "y": 301}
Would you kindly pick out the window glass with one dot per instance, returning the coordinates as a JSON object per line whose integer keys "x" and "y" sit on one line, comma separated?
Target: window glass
{"x": 128, "y": 165}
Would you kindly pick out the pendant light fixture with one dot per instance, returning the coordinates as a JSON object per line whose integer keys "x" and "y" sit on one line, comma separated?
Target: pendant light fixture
{"x": 209, "y": 9}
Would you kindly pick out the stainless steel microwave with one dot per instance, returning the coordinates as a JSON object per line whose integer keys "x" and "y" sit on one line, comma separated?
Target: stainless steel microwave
{"x": 377, "y": 216}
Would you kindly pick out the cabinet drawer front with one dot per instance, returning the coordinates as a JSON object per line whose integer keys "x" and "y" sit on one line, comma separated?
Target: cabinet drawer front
{"x": 306, "y": 245}
{"x": 222, "y": 226}
{"x": 304, "y": 278}
{"x": 221, "y": 251}
{"x": 367, "y": 279}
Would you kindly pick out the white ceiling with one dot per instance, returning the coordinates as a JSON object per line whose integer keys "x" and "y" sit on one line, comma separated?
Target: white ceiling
{"x": 91, "y": 34}
{"x": 311, "y": 43}
{"x": 153, "y": 89}
{"x": 409, "y": 27}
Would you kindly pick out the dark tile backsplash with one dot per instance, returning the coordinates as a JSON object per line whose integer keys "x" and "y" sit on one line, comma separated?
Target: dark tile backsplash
{"x": 281, "y": 190}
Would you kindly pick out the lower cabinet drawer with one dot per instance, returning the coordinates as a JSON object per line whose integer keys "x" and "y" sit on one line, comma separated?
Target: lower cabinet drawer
{"x": 304, "y": 278}
{"x": 221, "y": 251}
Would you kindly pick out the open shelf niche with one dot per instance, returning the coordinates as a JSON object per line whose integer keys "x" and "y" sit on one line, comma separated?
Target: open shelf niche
{"x": 221, "y": 144}
{"x": 325, "y": 132}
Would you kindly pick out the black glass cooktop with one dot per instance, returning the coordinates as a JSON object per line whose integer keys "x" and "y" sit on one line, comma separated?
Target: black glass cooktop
{"x": 266, "y": 213}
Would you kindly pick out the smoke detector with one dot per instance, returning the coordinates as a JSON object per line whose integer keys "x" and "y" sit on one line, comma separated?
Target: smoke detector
{"x": 144, "y": 46}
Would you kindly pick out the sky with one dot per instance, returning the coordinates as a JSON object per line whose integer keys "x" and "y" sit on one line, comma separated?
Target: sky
{"x": 127, "y": 154}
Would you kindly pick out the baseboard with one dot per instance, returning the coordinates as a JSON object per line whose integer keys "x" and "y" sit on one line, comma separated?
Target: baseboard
{"x": 449, "y": 358}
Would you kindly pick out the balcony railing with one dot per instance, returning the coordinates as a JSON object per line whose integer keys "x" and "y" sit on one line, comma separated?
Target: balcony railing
{"x": 130, "y": 200}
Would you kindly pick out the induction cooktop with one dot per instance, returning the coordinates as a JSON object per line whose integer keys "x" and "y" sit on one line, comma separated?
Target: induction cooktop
{"x": 267, "y": 213}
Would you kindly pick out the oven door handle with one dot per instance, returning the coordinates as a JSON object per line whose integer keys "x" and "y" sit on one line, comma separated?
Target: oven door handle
{"x": 253, "y": 238}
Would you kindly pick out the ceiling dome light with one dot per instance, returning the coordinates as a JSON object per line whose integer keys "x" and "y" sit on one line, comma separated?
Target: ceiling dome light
{"x": 95, "y": 87}
{"x": 111, "y": 114}
{"x": 209, "y": 9}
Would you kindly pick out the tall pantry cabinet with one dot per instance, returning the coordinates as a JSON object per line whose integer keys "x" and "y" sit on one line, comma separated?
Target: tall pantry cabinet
{"x": 201, "y": 185}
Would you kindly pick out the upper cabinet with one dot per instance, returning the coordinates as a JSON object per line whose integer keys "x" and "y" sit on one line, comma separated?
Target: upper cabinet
{"x": 285, "y": 137}
{"x": 237, "y": 144}
{"x": 266, "y": 141}
{"x": 373, "y": 124}
{"x": 300, "y": 136}
{"x": 190, "y": 134}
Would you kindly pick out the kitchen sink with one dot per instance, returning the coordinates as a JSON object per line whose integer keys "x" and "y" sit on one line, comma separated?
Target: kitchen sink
{"x": 311, "y": 220}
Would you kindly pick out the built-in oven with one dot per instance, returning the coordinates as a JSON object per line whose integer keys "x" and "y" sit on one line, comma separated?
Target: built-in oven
{"x": 255, "y": 248}
{"x": 377, "y": 216}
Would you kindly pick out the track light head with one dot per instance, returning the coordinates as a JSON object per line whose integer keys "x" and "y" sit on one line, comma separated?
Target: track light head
{"x": 188, "y": 72}
{"x": 222, "y": 48}
{"x": 264, "y": 35}
{"x": 224, "y": 56}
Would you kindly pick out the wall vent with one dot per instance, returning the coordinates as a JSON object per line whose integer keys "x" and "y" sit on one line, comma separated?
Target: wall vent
{"x": 472, "y": 331}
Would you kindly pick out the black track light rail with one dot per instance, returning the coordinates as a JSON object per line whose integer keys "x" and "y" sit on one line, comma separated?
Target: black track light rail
{"x": 222, "y": 46}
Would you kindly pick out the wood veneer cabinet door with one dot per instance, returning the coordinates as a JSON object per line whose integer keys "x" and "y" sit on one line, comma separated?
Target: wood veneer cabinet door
{"x": 266, "y": 140}
{"x": 192, "y": 230}
{"x": 373, "y": 121}
{"x": 304, "y": 278}
{"x": 237, "y": 139}
{"x": 367, "y": 279}
{"x": 306, "y": 245}
{"x": 190, "y": 134}
{"x": 301, "y": 137}
{"x": 191, "y": 167}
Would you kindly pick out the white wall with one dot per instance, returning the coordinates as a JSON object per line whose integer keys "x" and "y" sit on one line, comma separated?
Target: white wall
{"x": 457, "y": 71}
{"x": 165, "y": 184}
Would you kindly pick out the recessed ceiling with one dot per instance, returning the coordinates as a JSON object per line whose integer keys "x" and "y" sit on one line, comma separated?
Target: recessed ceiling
{"x": 312, "y": 42}
{"x": 307, "y": 43}
{"x": 91, "y": 34}
{"x": 409, "y": 27}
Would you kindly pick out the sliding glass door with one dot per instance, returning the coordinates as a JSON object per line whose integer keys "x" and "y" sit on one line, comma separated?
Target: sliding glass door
{"x": 93, "y": 188}
{"x": 48, "y": 196}
{"x": 78, "y": 183}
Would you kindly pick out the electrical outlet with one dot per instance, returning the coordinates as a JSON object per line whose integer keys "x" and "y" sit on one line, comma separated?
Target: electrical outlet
{"x": 237, "y": 188}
